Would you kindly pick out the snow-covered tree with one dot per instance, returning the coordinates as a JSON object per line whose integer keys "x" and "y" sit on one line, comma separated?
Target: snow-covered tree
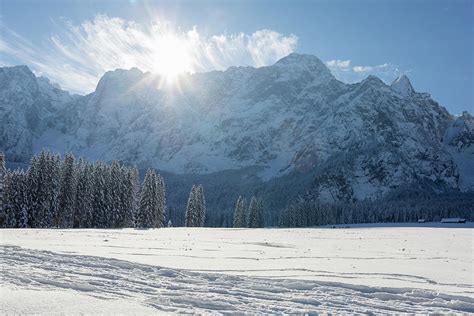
{"x": 50, "y": 172}
{"x": 152, "y": 201}
{"x": 67, "y": 192}
{"x": 134, "y": 197}
{"x": 35, "y": 193}
{"x": 191, "y": 209}
{"x": 255, "y": 217}
{"x": 16, "y": 199}
{"x": 196, "y": 207}
{"x": 99, "y": 201}
{"x": 161, "y": 202}
{"x": 240, "y": 213}
{"x": 201, "y": 204}
{"x": 84, "y": 197}
{"x": 3, "y": 171}
{"x": 42, "y": 189}
{"x": 10, "y": 216}
{"x": 21, "y": 204}
{"x": 116, "y": 194}
{"x": 145, "y": 209}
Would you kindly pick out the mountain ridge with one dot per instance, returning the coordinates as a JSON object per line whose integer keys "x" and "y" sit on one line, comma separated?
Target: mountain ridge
{"x": 360, "y": 140}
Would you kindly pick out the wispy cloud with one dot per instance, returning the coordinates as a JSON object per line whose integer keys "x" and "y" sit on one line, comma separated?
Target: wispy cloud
{"x": 77, "y": 55}
{"x": 344, "y": 71}
{"x": 340, "y": 64}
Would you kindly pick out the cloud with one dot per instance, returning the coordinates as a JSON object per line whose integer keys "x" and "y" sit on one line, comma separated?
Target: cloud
{"x": 336, "y": 63}
{"x": 343, "y": 71}
{"x": 76, "y": 56}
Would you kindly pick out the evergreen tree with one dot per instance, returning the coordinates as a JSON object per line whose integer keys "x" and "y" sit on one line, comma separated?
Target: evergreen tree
{"x": 191, "y": 209}
{"x": 240, "y": 216}
{"x": 3, "y": 172}
{"x": 116, "y": 188}
{"x": 255, "y": 217}
{"x": 126, "y": 197}
{"x": 8, "y": 197}
{"x": 196, "y": 207}
{"x": 35, "y": 193}
{"x": 77, "y": 211}
{"x": 151, "y": 209}
{"x": 161, "y": 202}
{"x": 134, "y": 197}
{"x": 43, "y": 191}
{"x": 99, "y": 207}
{"x": 22, "y": 200}
{"x": 201, "y": 206}
{"x": 84, "y": 197}
{"x": 67, "y": 192}
{"x": 17, "y": 202}
{"x": 105, "y": 212}
{"x": 50, "y": 172}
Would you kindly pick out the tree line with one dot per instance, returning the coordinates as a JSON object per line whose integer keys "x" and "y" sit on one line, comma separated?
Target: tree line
{"x": 401, "y": 206}
{"x": 70, "y": 193}
{"x": 252, "y": 216}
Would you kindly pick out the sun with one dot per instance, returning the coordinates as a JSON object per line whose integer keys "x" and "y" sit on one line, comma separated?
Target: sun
{"x": 172, "y": 57}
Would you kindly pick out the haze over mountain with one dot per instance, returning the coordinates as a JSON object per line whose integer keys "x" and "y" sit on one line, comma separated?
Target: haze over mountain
{"x": 292, "y": 119}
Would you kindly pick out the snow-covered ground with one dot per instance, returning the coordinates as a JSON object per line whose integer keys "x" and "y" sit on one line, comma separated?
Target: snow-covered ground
{"x": 206, "y": 270}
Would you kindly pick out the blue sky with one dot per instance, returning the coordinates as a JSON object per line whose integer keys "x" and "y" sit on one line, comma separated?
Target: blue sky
{"x": 430, "y": 41}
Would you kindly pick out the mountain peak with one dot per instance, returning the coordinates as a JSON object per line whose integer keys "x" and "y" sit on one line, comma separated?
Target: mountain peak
{"x": 18, "y": 71}
{"x": 402, "y": 85}
{"x": 372, "y": 82}
{"x": 296, "y": 58}
{"x": 18, "y": 78}
{"x": 295, "y": 62}
{"x": 120, "y": 79}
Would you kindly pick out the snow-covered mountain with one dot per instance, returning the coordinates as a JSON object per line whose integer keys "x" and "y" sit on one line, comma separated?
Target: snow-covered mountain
{"x": 29, "y": 106}
{"x": 294, "y": 117}
{"x": 459, "y": 141}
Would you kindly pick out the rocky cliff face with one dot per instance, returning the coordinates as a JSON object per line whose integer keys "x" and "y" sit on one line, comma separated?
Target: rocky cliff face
{"x": 28, "y": 107}
{"x": 459, "y": 141}
{"x": 359, "y": 140}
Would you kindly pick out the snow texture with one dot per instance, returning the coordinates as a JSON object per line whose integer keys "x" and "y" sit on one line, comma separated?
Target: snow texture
{"x": 197, "y": 270}
{"x": 362, "y": 140}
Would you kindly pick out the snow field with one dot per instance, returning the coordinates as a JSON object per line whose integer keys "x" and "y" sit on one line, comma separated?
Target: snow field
{"x": 206, "y": 270}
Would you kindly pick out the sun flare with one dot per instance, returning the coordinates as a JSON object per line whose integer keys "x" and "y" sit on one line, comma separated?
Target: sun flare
{"x": 172, "y": 57}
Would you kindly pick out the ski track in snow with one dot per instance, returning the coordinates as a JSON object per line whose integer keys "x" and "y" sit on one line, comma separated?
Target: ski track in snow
{"x": 184, "y": 291}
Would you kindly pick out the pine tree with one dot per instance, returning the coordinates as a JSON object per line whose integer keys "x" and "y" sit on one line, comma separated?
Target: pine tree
{"x": 149, "y": 205}
{"x": 22, "y": 200}
{"x": 3, "y": 172}
{"x": 240, "y": 216}
{"x": 115, "y": 186}
{"x": 50, "y": 173}
{"x": 10, "y": 216}
{"x": 191, "y": 209}
{"x": 43, "y": 191}
{"x": 134, "y": 197}
{"x": 100, "y": 218}
{"x": 124, "y": 197}
{"x": 17, "y": 202}
{"x": 35, "y": 193}
{"x": 201, "y": 204}
{"x": 196, "y": 207}
{"x": 107, "y": 211}
{"x": 67, "y": 192}
{"x": 83, "y": 202}
{"x": 161, "y": 202}
{"x": 255, "y": 217}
